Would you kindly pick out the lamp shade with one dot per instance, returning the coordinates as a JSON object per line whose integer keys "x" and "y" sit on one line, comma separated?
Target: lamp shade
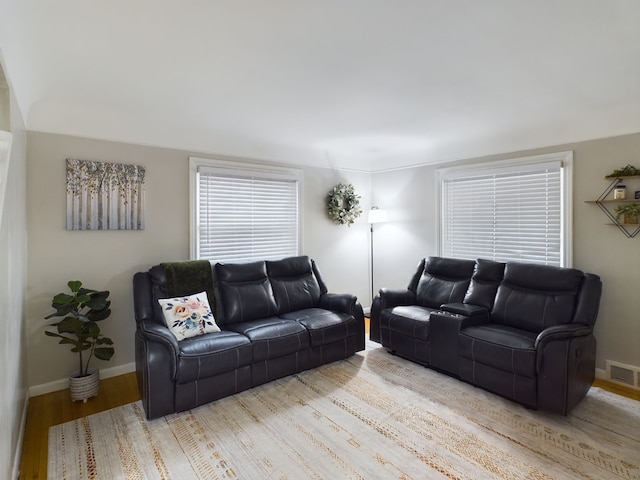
{"x": 377, "y": 215}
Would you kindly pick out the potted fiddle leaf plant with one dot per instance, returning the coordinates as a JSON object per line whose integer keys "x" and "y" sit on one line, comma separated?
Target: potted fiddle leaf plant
{"x": 82, "y": 309}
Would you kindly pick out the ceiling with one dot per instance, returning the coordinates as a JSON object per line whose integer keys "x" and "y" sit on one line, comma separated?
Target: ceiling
{"x": 360, "y": 84}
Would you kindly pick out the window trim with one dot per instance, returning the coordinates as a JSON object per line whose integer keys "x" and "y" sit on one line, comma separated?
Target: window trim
{"x": 486, "y": 168}
{"x": 242, "y": 168}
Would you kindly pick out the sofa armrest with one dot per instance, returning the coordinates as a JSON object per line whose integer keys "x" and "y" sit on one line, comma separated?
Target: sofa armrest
{"x": 156, "y": 367}
{"x": 151, "y": 331}
{"x": 390, "y": 298}
{"x": 387, "y": 298}
{"x": 464, "y": 309}
{"x": 469, "y": 314}
{"x": 346, "y": 303}
{"x": 338, "y": 302}
{"x": 565, "y": 365}
{"x": 561, "y": 332}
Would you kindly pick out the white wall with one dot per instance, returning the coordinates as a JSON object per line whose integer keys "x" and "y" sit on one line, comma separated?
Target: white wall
{"x": 12, "y": 290}
{"x": 108, "y": 259}
{"x": 341, "y": 251}
{"x": 410, "y": 197}
{"x": 5, "y": 103}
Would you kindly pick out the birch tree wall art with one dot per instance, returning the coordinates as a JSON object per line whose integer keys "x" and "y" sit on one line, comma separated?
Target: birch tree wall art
{"x": 104, "y": 196}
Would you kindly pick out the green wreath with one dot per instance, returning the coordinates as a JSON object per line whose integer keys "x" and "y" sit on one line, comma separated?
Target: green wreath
{"x": 343, "y": 205}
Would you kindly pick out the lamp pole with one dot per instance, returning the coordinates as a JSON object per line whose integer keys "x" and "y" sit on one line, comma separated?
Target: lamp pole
{"x": 376, "y": 215}
{"x": 371, "y": 226}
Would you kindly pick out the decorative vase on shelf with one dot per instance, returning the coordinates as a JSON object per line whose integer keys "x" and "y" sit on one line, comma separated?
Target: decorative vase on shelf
{"x": 630, "y": 219}
{"x": 83, "y": 388}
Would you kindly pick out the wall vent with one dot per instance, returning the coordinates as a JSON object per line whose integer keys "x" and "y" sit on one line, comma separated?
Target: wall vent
{"x": 623, "y": 374}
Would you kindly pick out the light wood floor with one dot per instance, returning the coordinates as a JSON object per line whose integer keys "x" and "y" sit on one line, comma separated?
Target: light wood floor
{"x": 55, "y": 408}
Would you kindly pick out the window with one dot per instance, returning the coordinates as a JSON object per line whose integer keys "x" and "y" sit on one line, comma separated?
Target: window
{"x": 510, "y": 210}
{"x": 242, "y": 213}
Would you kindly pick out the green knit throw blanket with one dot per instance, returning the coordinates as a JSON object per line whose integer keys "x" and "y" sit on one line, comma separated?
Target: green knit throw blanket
{"x": 189, "y": 277}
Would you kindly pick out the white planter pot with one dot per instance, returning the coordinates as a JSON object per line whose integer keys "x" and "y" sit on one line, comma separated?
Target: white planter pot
{"x": 82, "y": 388}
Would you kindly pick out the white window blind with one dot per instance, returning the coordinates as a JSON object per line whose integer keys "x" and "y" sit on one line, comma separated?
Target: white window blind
{"x": 246, "y": 216}
{"x": 511, "y": 212}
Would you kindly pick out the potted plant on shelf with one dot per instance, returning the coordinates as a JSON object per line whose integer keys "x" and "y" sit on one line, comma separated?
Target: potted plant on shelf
{"x": 82, "y": 309}
{"x": 628, "y": 171}
{"x": 629, "y": 212}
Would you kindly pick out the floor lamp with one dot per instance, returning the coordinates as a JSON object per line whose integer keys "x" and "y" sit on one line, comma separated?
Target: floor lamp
{"x": 376, "y": 215}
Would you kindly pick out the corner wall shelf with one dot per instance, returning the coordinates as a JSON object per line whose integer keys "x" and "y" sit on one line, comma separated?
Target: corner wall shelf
{"x": 629, "y": 229}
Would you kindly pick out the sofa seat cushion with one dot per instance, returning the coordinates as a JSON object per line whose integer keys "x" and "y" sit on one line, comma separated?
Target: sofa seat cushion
{"x": 324, "y": 326}
{"x": 409, "y": 320}
{"x": 506, "y": 348}
{"x": 212, "y": 354}
{"x": 273, "y": 337}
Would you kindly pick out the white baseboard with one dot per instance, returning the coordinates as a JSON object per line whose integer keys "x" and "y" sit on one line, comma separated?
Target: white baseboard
{"x": 15, "y": 471}
{"x": 64, "y": 382}
{"x": 367, "y": 311}
{"x": 601, "y": 374}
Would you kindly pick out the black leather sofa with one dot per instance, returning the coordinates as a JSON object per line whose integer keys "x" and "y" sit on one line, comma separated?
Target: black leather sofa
{"x": 276, "y": 318}
{"x": 523, "y": 331}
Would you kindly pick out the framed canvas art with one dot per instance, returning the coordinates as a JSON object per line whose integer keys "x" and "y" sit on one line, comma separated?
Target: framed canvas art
{"x": 104, "y": 196}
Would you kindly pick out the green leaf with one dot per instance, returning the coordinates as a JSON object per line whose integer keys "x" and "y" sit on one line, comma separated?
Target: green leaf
{"x": 71, "y": 326}
{"x": 64, "y": 308}
{"x": 83, "y": 299}
{"x": 53, "y": 334}
{"x": 97, "y": 303}
{"x": 59, "y": 313}
{"x": 63, "y": 299}
{"x": 69, "y": 341}
{"x": 103, "y": 353}
{"x": 96, "y": 316}
{"x": 74, "y": 285}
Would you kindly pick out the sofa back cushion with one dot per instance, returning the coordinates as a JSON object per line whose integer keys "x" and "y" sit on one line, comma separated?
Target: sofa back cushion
{"x": 443, "y": 280}
{"x": 294, "y": 284}
{"x": 486, "y": 278}
{"x": 243, "y": 292}
{"x": 588, "y": 300}
{"x": 533, "y": 297}
{"x": 413, "y": 283}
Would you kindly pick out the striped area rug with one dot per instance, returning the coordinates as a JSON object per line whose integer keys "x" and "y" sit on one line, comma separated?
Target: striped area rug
{"x": 373, "y": 416}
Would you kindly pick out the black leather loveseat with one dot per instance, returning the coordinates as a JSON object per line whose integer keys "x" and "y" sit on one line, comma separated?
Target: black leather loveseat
{"x": 275, "y": 318}
{"x": 523, "y": 331}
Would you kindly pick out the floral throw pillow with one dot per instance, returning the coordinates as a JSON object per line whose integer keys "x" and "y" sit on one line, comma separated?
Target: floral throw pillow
{"x": 188, "y": 316}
